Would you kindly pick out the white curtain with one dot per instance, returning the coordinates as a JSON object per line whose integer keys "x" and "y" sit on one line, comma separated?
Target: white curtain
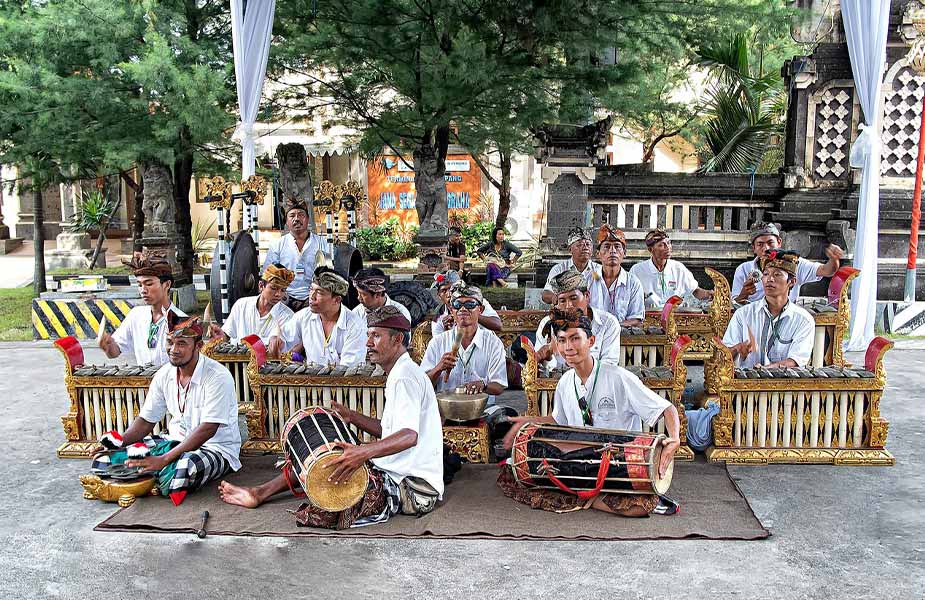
{"x": 250, "y": 37}
{"x": 866, "y": 24}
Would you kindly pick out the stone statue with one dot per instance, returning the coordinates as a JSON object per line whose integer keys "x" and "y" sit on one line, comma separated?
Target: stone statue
{"x": 295, "y": 179}
{"x": 430, "y": 187}
{"x": 158, "y": 205}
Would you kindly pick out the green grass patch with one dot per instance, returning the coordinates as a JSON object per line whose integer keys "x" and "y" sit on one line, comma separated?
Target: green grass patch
{"x": 16, "y": 314}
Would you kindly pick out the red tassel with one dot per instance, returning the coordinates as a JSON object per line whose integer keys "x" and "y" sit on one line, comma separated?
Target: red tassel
{"x": 178, "y": 497}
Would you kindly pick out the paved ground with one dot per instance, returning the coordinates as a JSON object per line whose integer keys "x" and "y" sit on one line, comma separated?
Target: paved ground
{"x": 837, "y": 532}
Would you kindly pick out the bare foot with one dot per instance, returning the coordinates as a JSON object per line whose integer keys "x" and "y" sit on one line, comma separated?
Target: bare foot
{"x": 241, "y": 496}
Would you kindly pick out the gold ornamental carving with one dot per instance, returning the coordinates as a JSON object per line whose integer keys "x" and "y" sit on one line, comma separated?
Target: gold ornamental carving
{"x": 471, "y": 443}
{"x": 256, "y": 187}
{"x": 122, "y": 492}
{"x": 219, "y": 192}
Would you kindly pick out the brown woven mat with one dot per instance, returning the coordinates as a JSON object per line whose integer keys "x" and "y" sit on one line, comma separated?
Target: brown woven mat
{"x": 712, "y": 507}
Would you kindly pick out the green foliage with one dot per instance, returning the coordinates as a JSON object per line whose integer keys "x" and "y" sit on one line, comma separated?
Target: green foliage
{"x": 93, "y": 212}
{"x": 201, "y": 237}
{"x": 388, "y": 241}
{"x": 16, "y": 314}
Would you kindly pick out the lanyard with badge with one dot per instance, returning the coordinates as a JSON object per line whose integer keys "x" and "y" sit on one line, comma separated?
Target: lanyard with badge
{"x": 154, "y": 328}
{"x": 583, "y": 401}
{"x": 185, "y": 424}
{"x": 468, "y": 352}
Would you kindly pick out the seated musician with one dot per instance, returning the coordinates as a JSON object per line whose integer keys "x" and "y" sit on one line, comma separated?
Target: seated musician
{"x": 773, "y": 331}
{"x": 467, "y": 355}
{"x": 572, "y": 294}
{"x": 746, "y": 284}
{"x": 298, "y": 251}
{"x": 663, "y": 277}
{"x": 371, "y": 291}
{"x": 197, "y": 395}
{"x": 455, "y": 257}
{"x": 579, "y": 246}
{"x": 495, "y": 252}
{"x": 443, "y": 320}
{"x": 407, "y": 461}
{"x": 616, "y": 292}
{"x": 264, "y": 314}
{"x": 327, "y": 332}
{"x": 144, "y": 330}
{"x": 595, "y": 394}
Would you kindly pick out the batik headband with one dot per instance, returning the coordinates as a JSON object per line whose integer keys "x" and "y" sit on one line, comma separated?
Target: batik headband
{"x": 577, "y": 234}
{"x": 761, "y": 228}
{"x": 608, "y": 233}
{"x": 149, "y": 267}
{"x": 785, "y": 260}
{"x": 371, "y": 280}
{"x": 387, "y": 316}
{"x": 279, "y": 275}
{"x": 560, "y": 320}
{"x": 461, "y": 290}
{"x": 328, "y": 279}
{"x": 184, "y": 327}
{"x": 569, "y": 280}
{"x": 655, "y": 236}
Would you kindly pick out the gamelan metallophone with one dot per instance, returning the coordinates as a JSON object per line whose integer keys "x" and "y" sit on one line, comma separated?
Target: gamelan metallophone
{"x": 650, "y": 345}
{"x": 701, "y": 324}
{"x": 666, "y": 381}
{"x": 239, "y": 359}
{"x": 812, "y": 415}
{"x": 102, "y": 398}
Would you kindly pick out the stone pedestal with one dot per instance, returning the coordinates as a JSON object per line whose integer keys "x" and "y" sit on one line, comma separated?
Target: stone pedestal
{"x": 72, "y": 252}
{"x": 7, "y": 244}
{"x": 432, "y": 247}
{"x": 162, "y": 248}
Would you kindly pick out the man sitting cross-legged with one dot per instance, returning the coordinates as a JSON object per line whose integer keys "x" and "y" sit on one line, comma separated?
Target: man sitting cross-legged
{"x": 467, "y": 355}
{"x": 197, "y": 395}
{"x": 263, "y": 315}
{"x": 572, "y": 293}
{"x": 595, "y": 394}
{"x": 773, "y": 331}
{"x": 407, "y": 462}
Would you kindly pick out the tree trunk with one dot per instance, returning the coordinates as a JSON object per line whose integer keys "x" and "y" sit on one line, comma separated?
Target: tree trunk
{"x": 504, "y": 192}
{"x": 138, "y": 212}
{"x": 430, "y": 182}
{"x": 182, "y": 180}
{"x": 38, "y": 241}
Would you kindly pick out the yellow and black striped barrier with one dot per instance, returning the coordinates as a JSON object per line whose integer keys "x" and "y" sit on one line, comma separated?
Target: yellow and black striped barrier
{"x": 53, "y": 319}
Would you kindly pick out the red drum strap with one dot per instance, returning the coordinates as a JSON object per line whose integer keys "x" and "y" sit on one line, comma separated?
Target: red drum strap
{"x": 296, "y": 491}
{"x": 587, "y": 494}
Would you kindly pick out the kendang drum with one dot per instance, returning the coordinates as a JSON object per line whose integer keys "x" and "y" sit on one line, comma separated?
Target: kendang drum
{"x": 586, "y": 461}
{"x": 308, "y": 443}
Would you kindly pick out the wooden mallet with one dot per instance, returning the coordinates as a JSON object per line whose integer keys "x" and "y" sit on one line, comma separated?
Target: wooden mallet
{"x": 201, "y": 533}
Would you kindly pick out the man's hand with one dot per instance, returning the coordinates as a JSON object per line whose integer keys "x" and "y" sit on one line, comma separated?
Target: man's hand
{"x": 352, "y": 459}
{"x": 516, "y": 423}
{"x": 834, "y": 252}
{"x": 447, "y": 362}
{"x": 747, "y": 290}
{"x": 669, "y": 447}
{"x": 215, "y": 331}
{"x": 151, "y": 464}
{"x": 275, "y": 347}
{"x": 342, "y": 411}
{"x": 448, "y": 321}
{"x": 544, "y": 353}
{"x": 475, "y": 387}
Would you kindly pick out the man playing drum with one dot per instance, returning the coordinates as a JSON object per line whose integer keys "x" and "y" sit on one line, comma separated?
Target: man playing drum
{"x": 197, "y": 395}
{"x": 595, "y": 394}
{"x": 264, "y": 314}
{"x": 765, "y": 237}
{"x": 572, "y": 293}
{"x": 467, "y": 355}
{"x": 579, "y": 246}
{"x": 616, "y": 292}
{"x": 327, "y": 332}
{"x": 144, "y": 330}
{"x": 371, "y": 290}
{"x": 298, "y": 251}
{"x": 773, "y": 331}
{"x": 407, "y": 461}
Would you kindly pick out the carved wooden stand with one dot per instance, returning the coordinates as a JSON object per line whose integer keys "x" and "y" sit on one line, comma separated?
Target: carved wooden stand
{"x": 469, "y": 441}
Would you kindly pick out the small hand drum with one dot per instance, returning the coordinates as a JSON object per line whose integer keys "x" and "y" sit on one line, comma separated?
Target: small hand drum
{"x": 307, "y": 441}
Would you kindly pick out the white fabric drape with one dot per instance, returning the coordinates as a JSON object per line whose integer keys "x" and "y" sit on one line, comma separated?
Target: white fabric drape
{"x": 866, "y": 24}
{"x": 250, "y": 36}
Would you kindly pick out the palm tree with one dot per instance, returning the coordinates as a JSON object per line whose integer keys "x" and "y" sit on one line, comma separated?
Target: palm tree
{"x": 744, "y": 112}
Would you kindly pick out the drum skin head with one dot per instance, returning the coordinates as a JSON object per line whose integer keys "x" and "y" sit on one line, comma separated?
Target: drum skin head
{"x": 330, "y": 496}
{"x": 661, "y": 485}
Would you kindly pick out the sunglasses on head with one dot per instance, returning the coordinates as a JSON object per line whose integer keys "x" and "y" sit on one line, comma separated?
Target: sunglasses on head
{"x": 468, "y": 304}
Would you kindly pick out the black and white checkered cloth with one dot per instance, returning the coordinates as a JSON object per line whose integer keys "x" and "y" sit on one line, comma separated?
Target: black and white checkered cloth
{"x": 197, "y": 468}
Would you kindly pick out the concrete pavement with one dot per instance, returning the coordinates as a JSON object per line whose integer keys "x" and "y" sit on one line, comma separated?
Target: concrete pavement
{"x": 838, "y": 532}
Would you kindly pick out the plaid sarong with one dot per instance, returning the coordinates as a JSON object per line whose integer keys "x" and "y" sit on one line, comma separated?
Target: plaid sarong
{"x": 186, "y": 474}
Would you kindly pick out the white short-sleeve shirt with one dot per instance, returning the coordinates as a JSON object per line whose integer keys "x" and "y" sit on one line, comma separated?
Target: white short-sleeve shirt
{"x": 210, "y": 398}
{"x": 436, "y": 327}
{"x": 807, "y": 272}
{"x": 132, "y": 335}
{"x": 360, "y": 309}
{"x": 606, "y": 330}
{"x": 658, "y": 286}
{"x": 591, "y": 272}
{"x": 484, "y": 360}
{"x": 789, "y": 336}
{"x": 346, "y": 346}
{"x": 410, "y": 403}
{"x": 623, "y": 298}
{"x": 286, "y": 252}
{"x": 244, "y": 320}
{"x": 616, "y": 398}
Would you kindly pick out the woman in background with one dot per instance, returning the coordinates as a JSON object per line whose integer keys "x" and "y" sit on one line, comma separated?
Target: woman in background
{"x": 500, "y": 256}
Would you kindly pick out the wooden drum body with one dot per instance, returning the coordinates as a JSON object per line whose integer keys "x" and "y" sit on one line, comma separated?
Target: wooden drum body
{"x": 308, "y": 442}
{"x": 102, "y": 398}
{"x": 827, "y": 415}
{"x": 588, "y": 460}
